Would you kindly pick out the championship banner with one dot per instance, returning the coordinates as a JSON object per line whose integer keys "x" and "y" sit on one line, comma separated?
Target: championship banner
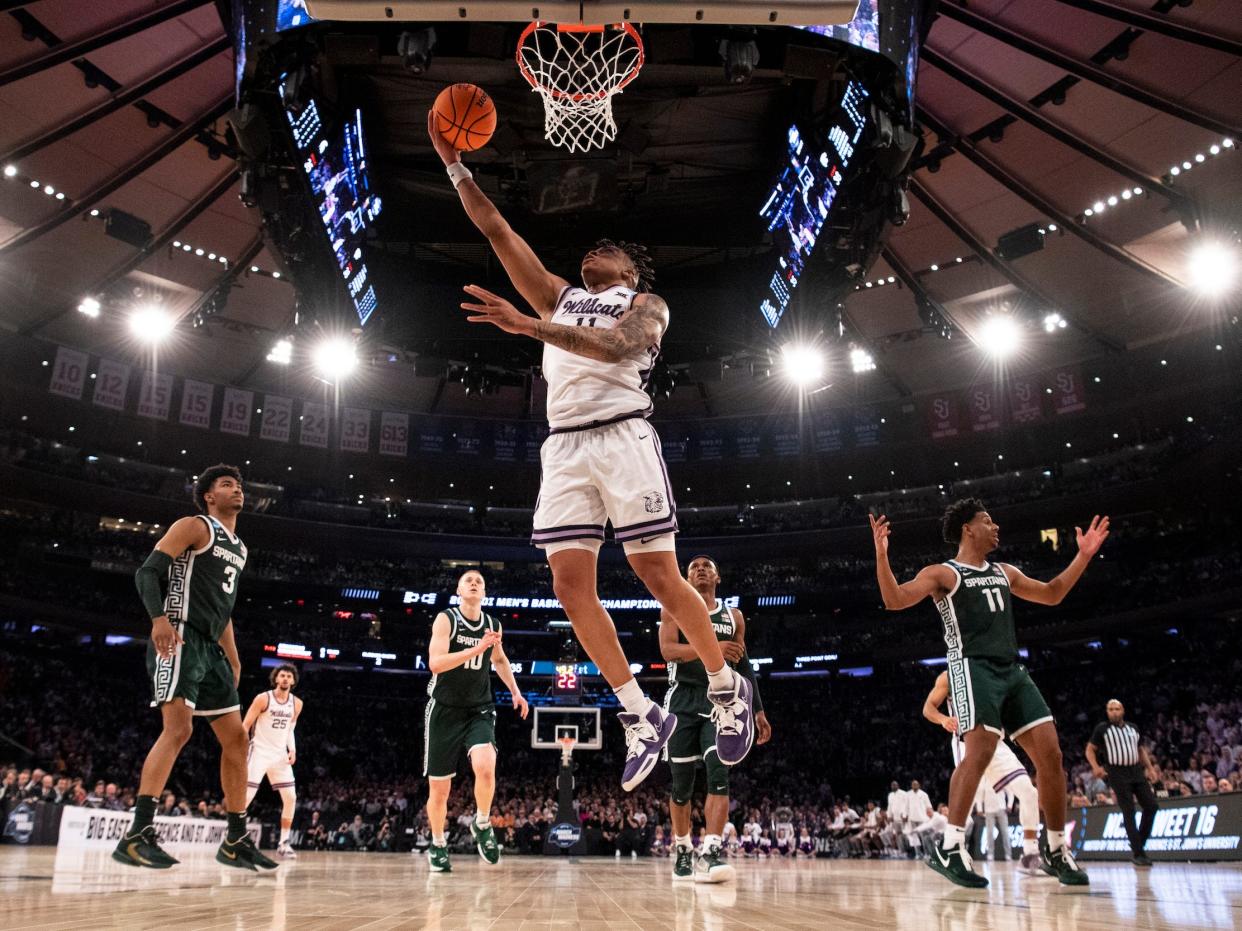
{"x": 235, "y": 415}
{"x": 111, "y": 382}
{"x": 466, "y": 439}
{"x": 1197, "y": 827}
{"x": 710, "y": 443}
{"x": 394, "y": 434}
{"x": 787, "y": 437}
{"x": 430, "y": 439}
{"x": 155, "y": 398}
{"x": 101, "y": 829}
{"x": 536, "y": 433}
{"x": 196, "y": 401}
{"x": 747, "y": 439}
{"x": 355, "y": 430}
{"x": 1068, "y": 394}
{"x": 985, "y": 411}
{"x": 1026, "y": 404}
{"x": 68, "y": 373}
{"x": 674, "y": 443}
{"x": 314, "y": 425}
{"x": 942, "y": 417}
{"x": 866, "y": 428}
{"x": 277, "y": 422}
{"x": 505, "y": 442}
{"x": 826, "y": 433}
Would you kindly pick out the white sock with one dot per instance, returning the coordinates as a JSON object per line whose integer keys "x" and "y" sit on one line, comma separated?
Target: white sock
{"x": 682, "y": 841}
{"x": 1030, "y": 845}
{"x": 437, "y": 840}
{"x": 710, "y": 841}
{"x": 721, "y": 679}
{"x": 284, "y": 835}
{"x": 953, "y": 836}
{"x": 632, "y": 698}
{"x": 1056, "y": 840}
{"x": 481, "y": 819}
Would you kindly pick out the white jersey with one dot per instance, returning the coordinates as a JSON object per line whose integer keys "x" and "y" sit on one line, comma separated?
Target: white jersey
{"x": 583, "y": 391}
{"x": 273, "y": 727}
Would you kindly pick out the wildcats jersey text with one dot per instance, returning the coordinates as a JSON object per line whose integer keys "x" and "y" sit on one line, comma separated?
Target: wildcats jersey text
{"x": 584, "y": 391}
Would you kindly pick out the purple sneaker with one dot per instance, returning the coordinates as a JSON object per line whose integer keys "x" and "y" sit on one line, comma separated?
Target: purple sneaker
{"x": 733, "y": 715}
{"x": 645, "y": 737}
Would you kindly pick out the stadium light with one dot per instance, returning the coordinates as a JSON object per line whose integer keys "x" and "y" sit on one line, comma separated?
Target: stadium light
{"x": 999, "y": 336}
{"x": 803, "y": 364}
{"x": 151, "y": 323}
{"x": 1212, "y": 268}
{"x": 89, "y": 306}
{"x": 281, "y": 352}
{"x": 335, "y": 358}
{"x": 1053, "y": 322}
{"x": 861, "y": 360}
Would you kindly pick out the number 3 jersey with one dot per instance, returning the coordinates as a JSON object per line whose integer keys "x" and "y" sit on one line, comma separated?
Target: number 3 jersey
{"x": 978, "y": 614}
{"x": 202, "y": 583}
{"x": 470, "y": 684}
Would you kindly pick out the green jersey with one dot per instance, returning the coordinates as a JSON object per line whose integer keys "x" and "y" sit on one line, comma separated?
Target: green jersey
{"x": 692, "y": 672}
{"x": 470, "y": 684}
{"x": 978, "y": 614}
{"x": 202, "y": 583}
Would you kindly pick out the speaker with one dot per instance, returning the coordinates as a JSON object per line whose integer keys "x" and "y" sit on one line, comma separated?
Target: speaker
{"x": 128, "y": 228}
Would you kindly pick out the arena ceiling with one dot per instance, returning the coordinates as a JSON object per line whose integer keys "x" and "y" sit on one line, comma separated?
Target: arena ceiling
{"x": 1032, "y": 111}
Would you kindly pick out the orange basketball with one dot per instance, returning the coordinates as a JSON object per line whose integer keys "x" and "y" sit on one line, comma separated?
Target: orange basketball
{"x": 465, "y": 116}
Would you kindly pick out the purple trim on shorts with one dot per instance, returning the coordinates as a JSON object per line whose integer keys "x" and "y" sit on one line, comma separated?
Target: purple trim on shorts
{"x": 568, "y": 532}
{"x": 283, "y": 785}
{"x": 632, "y": 415}
{"x": 667, "y": 525}
{"x": 1005, "y": 780}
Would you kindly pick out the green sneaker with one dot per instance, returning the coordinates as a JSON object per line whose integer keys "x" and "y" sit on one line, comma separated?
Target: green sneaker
{"x": 1045, "y": 856}
{"x": 243, "y": 854}
{"x": 485, "y": 840}
{"x": 955, "y": 866}
{"x": 1067, "y": 872}
{"x": 437, "y": 857}
{"x": 143, "y": 849}
{"x": 683, "y": 863}
{"x": 710, "y": 867}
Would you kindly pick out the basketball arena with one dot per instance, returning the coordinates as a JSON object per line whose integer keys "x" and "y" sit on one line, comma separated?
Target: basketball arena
{"x": 688, "y": 464}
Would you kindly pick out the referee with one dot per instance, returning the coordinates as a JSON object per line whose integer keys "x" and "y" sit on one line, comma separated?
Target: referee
{"x": 1116, "y": 751}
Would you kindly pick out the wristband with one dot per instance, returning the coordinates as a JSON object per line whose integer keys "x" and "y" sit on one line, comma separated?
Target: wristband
{"x": 458, "y": 173}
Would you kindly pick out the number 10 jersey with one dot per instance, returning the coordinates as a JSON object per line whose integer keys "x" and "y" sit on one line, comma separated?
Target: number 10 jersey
{"x": 468, "y": 685}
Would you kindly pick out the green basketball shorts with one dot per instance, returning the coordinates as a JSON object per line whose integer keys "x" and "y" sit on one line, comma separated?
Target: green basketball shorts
{"x": 197, "y": 672}
{"x": 999, "y": 696}
{"x": 448, "y": 731}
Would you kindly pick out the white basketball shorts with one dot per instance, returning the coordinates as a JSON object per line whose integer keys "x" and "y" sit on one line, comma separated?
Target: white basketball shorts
{"x": 1004, "y": 768}
{"x": 610, "y": 472}
{"x": 272, "y": 764}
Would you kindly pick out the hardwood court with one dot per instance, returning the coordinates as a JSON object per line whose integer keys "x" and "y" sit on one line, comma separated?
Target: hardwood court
{"x": 378, "y": 891}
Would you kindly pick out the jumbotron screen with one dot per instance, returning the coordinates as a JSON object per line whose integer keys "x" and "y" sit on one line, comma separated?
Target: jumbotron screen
{"x": 802, "y": 198}
{"x": 863, "y": 30}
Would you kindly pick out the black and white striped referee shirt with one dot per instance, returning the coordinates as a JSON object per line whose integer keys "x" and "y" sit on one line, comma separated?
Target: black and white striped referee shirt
{"x": 1119, "y": 744}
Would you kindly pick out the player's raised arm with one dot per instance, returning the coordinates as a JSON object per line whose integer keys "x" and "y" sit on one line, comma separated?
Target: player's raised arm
{"x": 672, "y": 650}
{"x": 535, "y": 283}
{"x": 931, "y": 580}
{"x": 1053, "y": 592}
{"x": 935, "y": 698}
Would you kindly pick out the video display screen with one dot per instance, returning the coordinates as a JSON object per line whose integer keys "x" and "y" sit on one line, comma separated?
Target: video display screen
{"x": 290, "y": 14}
{"x": 341, "y": 186}
{"x": 802, "y": 198}
{"x": 863, "y": 30}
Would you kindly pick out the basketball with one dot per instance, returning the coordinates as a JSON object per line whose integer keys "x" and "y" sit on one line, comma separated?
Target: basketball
{"x": 465, "y": 116}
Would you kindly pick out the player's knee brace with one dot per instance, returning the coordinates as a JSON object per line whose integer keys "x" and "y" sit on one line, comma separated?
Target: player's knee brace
{"x": 717, "y": 775}
{"x": 683, "y": 782}
{"x": 289, "y": 799}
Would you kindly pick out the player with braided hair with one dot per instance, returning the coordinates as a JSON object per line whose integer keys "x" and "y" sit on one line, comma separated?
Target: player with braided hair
{"x": 602, "y": 460}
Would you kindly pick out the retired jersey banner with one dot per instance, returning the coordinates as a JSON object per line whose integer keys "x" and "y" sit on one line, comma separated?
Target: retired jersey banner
{"x": 314, "y": 425}
{"x": 68, "y": 373}
{"x": 155, "y": 398}
{"x": 942, "y": 417}
{"x": 235, "y": 415}
{"x": 1068, "y": 394}
{"x": 277, "y": 422}
{"x": 355, "y": 430}
{"x": 1026, "y": 403}
{"x": 984, "y": 407}
{"x": 826, "y": 432}
{"x": 111, "y": 383}
{"x": 196, "y": 401}
{"x": 394, "y": 434}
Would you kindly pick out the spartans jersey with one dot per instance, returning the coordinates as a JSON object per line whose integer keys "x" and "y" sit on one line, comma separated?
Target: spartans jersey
{"x": 468, "y": 685}
{"x": 583, "y": 391}
{"x": 978, "y": 614}
{"x": 202, "y": 584}
{"x": 273, "y": 727}
{"x": 692, "y": 673}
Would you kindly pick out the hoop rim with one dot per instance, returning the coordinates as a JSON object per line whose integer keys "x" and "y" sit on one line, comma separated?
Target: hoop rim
{"x": 555, "y": 94}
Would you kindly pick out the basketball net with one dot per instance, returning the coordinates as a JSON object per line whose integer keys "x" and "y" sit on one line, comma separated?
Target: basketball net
{"x": 567, "y": 748}
{"x": 577, "y": 70}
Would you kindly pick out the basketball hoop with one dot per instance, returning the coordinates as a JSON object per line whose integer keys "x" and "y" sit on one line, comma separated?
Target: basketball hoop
{"x": 567, "y": 747}
{"x": 577, "y": 70}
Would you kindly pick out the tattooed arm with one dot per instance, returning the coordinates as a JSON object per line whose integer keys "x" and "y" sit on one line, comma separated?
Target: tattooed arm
{"x": 641, "y": 326}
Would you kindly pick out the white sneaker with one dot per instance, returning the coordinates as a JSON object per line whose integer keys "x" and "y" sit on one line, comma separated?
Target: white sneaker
{"x": 286, "y": 852}
{"x": 633, "y": 854}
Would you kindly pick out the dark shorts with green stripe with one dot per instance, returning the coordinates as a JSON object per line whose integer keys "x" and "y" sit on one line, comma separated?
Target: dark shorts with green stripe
{"x": 197, "y": 672}
{"x": 999, "y": 696}
{"x": 694, "y": 741}
{"x": 447, "y": 731}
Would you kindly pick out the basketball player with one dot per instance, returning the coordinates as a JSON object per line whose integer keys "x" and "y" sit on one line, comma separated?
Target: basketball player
{"x": 694, "y": 740}
{"x": 193, "y": 663}
{"x": 992, "y": 692}
{"x": 602, "y": 460}
{"x": 461, "y": 714}
{"x": 271, "y": 718}
{"x": 1005, "y": 771}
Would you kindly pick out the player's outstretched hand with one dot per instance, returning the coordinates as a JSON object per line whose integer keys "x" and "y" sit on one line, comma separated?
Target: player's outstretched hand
{"x": 880, "y": 529}
{"x": 1094, "y": 537}
{"x": 165, "y": 637}
{"x": 520, "y": 705}
{"x": 495, "y": 310}
{"x": 447, "y": 153}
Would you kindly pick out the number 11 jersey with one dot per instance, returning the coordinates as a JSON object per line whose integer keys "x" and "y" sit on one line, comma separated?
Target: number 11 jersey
{"x": 978, "y": 614}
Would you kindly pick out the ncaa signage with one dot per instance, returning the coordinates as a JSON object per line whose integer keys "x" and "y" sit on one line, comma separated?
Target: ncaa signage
{"x": 565, "y": 835}
{"x": 1198, "y": 827}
